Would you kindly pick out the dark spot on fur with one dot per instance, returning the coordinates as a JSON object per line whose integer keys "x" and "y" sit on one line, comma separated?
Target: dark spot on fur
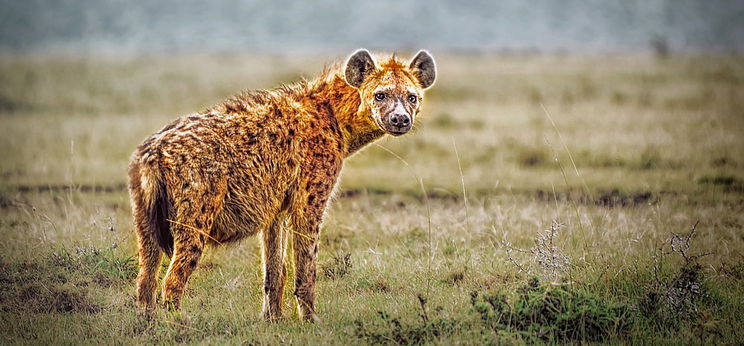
{"x": 195, "y": 249}
{"x": 277, "y": 112}
{"x": 192, "y": 263}
{"x": 204, "y": 209}
{"x": 168, "y": 127}
{"x": 193, "y": 118}
{"x": 290, "y": 163}
{"x": 235, "y": 107}
{"x": 291, "y": 132}
{"x": 311, "y": 198}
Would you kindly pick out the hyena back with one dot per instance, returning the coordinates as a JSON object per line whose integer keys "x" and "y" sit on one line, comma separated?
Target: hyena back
{"x": 261, "y": 161}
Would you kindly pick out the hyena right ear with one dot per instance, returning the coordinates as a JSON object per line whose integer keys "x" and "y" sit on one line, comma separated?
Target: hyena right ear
{"x": 358, "y": 66}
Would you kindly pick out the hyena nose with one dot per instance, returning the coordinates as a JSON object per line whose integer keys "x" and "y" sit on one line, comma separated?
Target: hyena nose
{"x": 400, "y": 120}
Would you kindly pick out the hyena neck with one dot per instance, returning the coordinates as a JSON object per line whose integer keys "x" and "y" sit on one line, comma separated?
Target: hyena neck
{"x": 356, "y": 127}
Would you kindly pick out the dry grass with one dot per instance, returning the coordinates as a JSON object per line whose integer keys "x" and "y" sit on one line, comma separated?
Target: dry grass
{"x": 657, "y": 146}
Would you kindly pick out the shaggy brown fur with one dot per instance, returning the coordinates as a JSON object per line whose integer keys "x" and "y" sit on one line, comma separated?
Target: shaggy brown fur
{"x": 261, "y": 161}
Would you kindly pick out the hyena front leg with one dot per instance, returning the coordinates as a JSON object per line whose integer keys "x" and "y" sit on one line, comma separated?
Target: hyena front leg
{"x": 306, "y": 225}
{"x": 274, "y": 268}
{"x": 305, "y": 245}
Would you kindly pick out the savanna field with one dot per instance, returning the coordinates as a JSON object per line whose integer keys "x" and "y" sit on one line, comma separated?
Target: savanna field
{"x": 541, "y": 198}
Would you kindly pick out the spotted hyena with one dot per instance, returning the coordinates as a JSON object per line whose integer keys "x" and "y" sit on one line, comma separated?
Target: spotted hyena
{"x": 264, "y": 162}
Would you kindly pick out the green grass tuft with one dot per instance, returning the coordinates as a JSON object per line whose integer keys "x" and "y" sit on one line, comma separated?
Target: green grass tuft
{"x": 554, "y": 313}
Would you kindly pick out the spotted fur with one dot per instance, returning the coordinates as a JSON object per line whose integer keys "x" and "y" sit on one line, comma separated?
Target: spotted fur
{"x": 261, "y": 163}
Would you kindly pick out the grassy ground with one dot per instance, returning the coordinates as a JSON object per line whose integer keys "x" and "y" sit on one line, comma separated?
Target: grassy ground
{"x": 508, "y": 241}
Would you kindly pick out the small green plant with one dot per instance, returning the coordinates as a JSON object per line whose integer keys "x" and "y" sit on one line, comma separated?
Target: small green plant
{"x": 339, "y": 266}
{"x": 553, "y": 313}
{"x": 104, "y": 264}
{"x": 390, "y": 330}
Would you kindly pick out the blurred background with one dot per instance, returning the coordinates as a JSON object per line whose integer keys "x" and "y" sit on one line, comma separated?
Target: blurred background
{"x": 588, "y": 26}
{"x": 633, "y": 84}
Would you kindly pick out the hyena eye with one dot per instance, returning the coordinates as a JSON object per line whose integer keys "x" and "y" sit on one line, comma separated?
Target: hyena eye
{"x": 380, "y": 96}
{"x": 412, "y": 98}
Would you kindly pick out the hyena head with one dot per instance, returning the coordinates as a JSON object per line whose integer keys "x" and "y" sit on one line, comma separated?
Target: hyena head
{"x": 391, "y": 92}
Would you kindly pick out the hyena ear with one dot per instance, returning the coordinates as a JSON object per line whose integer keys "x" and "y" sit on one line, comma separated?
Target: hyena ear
{"x": 423, "y": 67}
{"x": 358, "y": 66}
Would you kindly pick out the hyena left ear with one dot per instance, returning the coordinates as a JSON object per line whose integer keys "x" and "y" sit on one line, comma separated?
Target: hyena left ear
{"x": 358, "y": 66}
{"x": 423, "y": 67}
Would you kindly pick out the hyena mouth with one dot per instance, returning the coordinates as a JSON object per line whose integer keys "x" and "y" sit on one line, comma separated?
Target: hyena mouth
{"x": 397, "y": 132}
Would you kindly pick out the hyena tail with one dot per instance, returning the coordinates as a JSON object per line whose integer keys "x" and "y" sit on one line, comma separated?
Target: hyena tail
{"x": 151, "y": 204}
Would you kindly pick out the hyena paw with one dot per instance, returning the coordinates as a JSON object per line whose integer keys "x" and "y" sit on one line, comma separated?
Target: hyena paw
{"x": 272, "y": 316}
{"x": 147, "y": 313}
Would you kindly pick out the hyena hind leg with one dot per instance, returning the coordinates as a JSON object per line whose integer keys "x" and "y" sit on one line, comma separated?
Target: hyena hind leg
{"x": 149, "y": 263}
{"x": 274, "y": 269}
{"x": 196, "y": 205}
{"x": 187, "y": 250}
{"x": 189, "y": 230}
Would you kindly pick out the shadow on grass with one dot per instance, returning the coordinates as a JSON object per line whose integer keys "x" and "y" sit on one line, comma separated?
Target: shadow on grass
{"x": 64, "y": 281}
